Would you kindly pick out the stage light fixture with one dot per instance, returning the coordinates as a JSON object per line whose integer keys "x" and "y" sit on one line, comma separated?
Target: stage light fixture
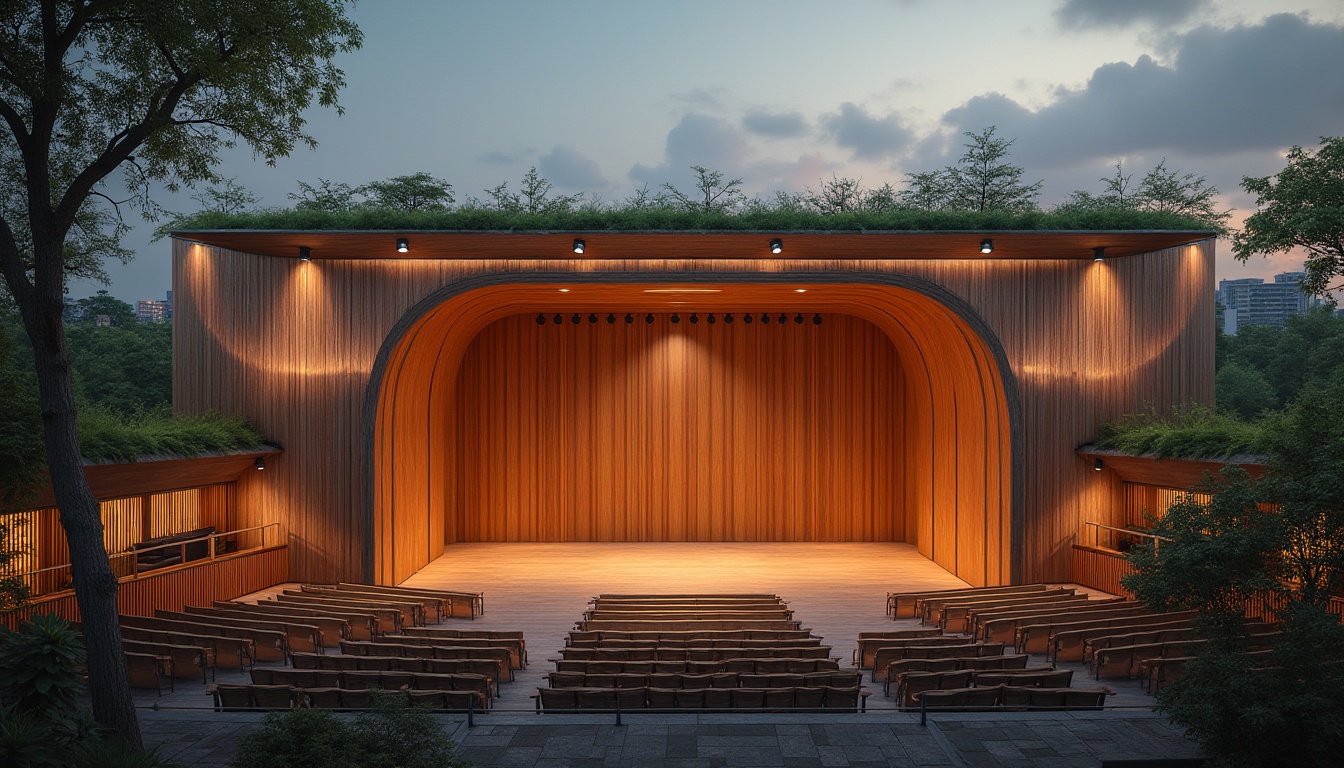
{"x": 765, "y": 318}
{"x": 728, "y": 318}
{"x": 776, "y": 246}
{"x": 1097, "y": 465}
{"x": 695, "y": 319}
{"x": 798, "y": 318}
{"x": 578, "y": 245}
{"x": 563, "y": 290}
{"x": 541, "y": 319}
{"x": 710, "y": 318}
{"x": 592, "y": 319}
{"x": 611, "y": 319}
{"x": 676, "y": 318}
{"x": 629, "y": 318}
{"x": 816, "y": 319}
{"x": 986, "y": 246}
{"x": 783, "y": 318}
{"x": 558, "y": 319}
{"x": 575, "y": 319}
{"x": 260, "y": 463}
{"x": 403, "y": 245}
{"x": 800, "y": 290}
{"x": 648, "y": 319}
{"x": 305, "y": 254}
{"x": 1098, "y": 254}
{"x": 746, "y": 318}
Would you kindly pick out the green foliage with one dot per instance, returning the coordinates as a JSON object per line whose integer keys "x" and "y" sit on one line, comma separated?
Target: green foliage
{"x": 1300, "y": 207}
{"x": 109, "y": 435}
{"x": 645, "y": 217}
{"x": 393, "y": 735}
{"x": 22, "y": 454}
{"x": 1161, "y": 190}
{"x": 123, "y": 368}
{"x": 711, "y": 195}
{"x": 87, "y": 311}
{"x": 416, "y": 192}
{"x": 1191, "y": 432}
{"x": 1283, "y": 537}
{"x": 984, "y": 180}
{"x": 1243, "y": 392}
{"x": 1308, "y": 350}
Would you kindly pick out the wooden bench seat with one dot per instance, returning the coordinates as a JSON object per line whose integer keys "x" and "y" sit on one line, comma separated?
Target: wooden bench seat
{"x": 358, "y": 626}
{"x": 464, "y": 603}
{"x": 1003, "y": 626}
{"x": 412, "y": 612}
{"x": 509, "y": 638}
{"x": 931, "y": 609}
{"x": 501, "y": 656}
{"x": 389, "y": 619}
{"x": 696, "y": 654}
{"x": 267, "y": 645}
{"x": 978, "y": 665}
{"x": 227, "y": 651}
{"x": 488, "y": 667}
{"x": 188, "y": 661}
{"x": 687, "y": 624}
{"x": 958, "y": 617}
{"x": 610, "y": 699}
{"x": 885, "y": 656}
{"x": 706, "y": 643}
{"x": 1013, "y": 697}
{"x": 517, "y": 653}
{"x": 385, "y": 680}
{"x": 874, "y": 646}
{"x": 906, "y": 605}
{"x": 743, "y": 666}
{"x": 869, "y": 642}
{"x": 298, "y": 635}
{"x": 149, "y": 670}
{"x": 606, "y": 614}
{"x": 250, "y": 696}
{"x": 1063, "y": 641}
{"x": 330, "y": 630}
{"x": 675, "y": 638}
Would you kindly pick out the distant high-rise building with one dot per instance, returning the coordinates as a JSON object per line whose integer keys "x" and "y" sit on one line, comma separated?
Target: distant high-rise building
{"x": 168, "y": 307}
{"x": 1252, "y": 301}
{"x": 147, "y": 311}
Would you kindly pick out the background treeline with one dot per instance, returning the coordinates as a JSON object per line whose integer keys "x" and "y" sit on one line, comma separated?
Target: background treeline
{"x": 1264, "y": 368}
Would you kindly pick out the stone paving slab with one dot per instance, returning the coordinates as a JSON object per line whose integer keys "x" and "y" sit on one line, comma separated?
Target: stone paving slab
{"x": 1017, "y": 740}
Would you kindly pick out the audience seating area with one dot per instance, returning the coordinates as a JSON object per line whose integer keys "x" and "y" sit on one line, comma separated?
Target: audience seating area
{"x": 704, "y": 652}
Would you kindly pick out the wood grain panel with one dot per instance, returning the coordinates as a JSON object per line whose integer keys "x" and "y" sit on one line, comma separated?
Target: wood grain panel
{"x": 1100, "y": 569}
{"x": 222, "y": 579}
{"x": 815, "y": 427}
{"x": 293, "y": 347}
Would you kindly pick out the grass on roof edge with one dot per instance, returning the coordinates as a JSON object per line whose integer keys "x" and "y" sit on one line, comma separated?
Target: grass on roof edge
{"x": 666, "y": 219}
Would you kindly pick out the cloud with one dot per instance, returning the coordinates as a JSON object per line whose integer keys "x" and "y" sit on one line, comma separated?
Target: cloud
{"x": 1102, "y": 14}
{"x": 696, "y": 140}
{"x": 568, "y": 168}
{"x": 868, "y": 137}
{"x": 776, "y": 125}
{"x": 1245, "y": 88}
{"x": 497, "y": 157}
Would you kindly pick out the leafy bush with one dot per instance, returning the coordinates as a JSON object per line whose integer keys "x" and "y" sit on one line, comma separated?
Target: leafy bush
{"x": 107, "y": 435}
{"x": 1190, "y": 432}
{"x": 394, "y": 734}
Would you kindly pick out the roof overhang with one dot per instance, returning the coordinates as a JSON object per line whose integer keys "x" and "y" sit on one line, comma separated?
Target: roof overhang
{"x": 754, "y": 245}
{"x": 1167, "y": 473}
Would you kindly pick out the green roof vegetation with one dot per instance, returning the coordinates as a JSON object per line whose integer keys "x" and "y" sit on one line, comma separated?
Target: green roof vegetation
{"x": 109, "y": 435}
{"x": 1190, "y": 432}
{"x": 650, "y": 219}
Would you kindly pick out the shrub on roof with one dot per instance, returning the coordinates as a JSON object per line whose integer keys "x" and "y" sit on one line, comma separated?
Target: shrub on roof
{"x": 107, "y": 435}
{"x": 1189, "y": 432}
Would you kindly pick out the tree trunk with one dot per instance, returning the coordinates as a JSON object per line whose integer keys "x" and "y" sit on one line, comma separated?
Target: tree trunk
{"x": 95, "y": 584}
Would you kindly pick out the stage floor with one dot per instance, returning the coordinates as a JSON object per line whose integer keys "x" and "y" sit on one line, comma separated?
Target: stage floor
{"x": 836, "y": 589}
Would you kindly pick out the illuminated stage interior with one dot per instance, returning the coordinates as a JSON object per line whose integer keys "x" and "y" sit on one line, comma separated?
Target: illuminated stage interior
{"x": 836, "y": 589}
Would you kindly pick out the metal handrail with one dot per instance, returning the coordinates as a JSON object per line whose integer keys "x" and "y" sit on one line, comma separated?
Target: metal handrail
{"x": 1097, "y": 527}
{"x": 134, "y": 569}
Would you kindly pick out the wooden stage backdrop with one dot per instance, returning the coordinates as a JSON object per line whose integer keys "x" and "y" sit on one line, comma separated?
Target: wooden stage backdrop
{"x": 293, "y": 346}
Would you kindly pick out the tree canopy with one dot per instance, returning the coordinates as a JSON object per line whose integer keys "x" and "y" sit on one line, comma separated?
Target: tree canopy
{"x": 1302, "y": 206}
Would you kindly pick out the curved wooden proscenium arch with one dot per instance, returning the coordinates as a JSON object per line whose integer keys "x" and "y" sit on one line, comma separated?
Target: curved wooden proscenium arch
{"x": 964, "y": 455}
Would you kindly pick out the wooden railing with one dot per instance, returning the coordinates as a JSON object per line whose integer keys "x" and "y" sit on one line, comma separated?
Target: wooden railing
{"x": 199, "y": 582}
{"x": 1119, "y": 539}
{"x": 127, "y": 565}
{"x": 1102, "y": 569}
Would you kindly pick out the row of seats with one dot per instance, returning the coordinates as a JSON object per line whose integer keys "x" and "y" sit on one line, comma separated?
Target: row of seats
{"x": 696, "y": 654}
{"x": 385, "y": 680}
{"x": 835, "y": 679}
{"x": 740, "y": 666}
{"x": 1013, "y": 697}
{"x": 907, "y": 685}
{"x": 233, "y": 696}
{"x": 818, "y": 698}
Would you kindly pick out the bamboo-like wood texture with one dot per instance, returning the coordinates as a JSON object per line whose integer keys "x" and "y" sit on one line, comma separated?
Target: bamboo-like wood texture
{"x": 1100, "y": 569}
{"x": 293, "y": 346}
{"x": 222, "y": 579}
{"x": 678, "y": 432}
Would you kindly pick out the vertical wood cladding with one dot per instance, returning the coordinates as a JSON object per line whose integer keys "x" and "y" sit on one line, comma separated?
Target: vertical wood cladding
{"x": 292, "y": 345}
{"x": 642, "y": 432}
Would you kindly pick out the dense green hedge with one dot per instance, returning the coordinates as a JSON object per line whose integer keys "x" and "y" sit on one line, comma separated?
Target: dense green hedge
{"x": 1193, "y": 432}
{"x": 671, "y": 219}
{"x": 108, "y": 435}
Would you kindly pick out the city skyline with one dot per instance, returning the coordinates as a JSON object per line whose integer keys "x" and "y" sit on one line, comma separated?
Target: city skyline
{"x": 605, "y": 97}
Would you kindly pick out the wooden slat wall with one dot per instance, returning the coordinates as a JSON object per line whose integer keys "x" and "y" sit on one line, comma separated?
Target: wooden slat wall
{"x": 641, "y": 432}
{"x": 222, "y": 579}
{"x": 1099, "y": 569}
{"x": 292, "y": 345}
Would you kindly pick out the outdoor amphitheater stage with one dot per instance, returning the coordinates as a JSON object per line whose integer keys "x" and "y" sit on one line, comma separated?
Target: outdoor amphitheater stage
{"x": 835, "y": 589}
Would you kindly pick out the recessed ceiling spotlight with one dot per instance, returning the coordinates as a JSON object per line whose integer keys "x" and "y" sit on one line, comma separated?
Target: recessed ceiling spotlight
{"x": 403, "y": 245}
{"x": 800, "y": 290}
{"x": 986, "y": 246}
{"x": 1098, "y": 254}
{"x": 305, "y": 254}
{"x": 563, "y": 290}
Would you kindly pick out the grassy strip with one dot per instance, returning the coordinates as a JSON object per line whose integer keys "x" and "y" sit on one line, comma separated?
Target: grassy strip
{"x": 106, "y": 435}
{"x": 647, "y": 219}
{"x": 1193, "y": 432}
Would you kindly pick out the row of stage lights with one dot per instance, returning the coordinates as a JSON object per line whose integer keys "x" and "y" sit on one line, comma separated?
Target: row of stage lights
{"x": 776, "y": 247}
{"x": 694, "y": 318}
